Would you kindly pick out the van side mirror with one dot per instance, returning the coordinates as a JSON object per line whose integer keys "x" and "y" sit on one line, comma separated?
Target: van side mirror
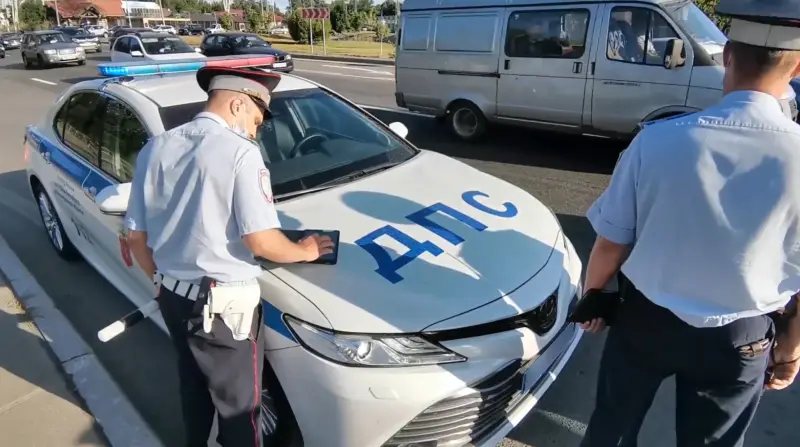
{"x": 675, "y": 54}
{"x": 113, "y": 199}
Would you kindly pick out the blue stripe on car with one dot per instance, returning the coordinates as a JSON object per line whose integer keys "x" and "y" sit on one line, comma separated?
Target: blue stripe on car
{"x": 273, "y": 319}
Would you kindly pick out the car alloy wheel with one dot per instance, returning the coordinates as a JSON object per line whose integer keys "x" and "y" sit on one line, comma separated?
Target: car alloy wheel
{"x": 269, "y": 416}
{"x": 55, "y": 230}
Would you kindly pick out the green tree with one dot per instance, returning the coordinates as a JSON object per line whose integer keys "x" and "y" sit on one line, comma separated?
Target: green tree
{"x": 227, "y": 21}
{"x": 32, "y": 14}
{"x": 708, "y": 6}
{"x": 381, "y": 31}
{"x": 255, "y": 20}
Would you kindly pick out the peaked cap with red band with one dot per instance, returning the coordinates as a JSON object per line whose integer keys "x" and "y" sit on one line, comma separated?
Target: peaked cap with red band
{"x": 257, "y": 84}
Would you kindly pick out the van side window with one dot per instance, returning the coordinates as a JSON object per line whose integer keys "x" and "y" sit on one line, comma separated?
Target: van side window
{"x": 547, "y": 34}
{"x": 638, "y": 36}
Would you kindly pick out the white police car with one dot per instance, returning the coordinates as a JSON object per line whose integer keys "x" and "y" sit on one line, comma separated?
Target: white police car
{"x": 443, "y": 322}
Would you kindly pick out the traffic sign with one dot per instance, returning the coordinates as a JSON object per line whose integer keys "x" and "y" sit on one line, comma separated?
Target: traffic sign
{"x": 315, "y": 13}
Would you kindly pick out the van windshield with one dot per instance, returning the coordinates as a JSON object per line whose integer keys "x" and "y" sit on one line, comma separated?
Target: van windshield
{"x": 694, "y": 22}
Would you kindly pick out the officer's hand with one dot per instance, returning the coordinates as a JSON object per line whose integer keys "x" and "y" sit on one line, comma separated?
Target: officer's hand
{"x": 784, "y": 369}
{"x": 316, "y": 246}
{"x": 595, "y": 326}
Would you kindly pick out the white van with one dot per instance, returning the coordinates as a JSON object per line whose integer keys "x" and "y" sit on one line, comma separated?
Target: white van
{"x": 559, "y": 65}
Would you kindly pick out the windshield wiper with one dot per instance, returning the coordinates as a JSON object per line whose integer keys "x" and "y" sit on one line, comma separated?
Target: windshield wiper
{"x": 339, "y": 180}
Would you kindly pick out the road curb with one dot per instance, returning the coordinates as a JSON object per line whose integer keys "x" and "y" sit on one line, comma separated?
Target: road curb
{"x": 362, "y": 60}
{"x": 122, "y": 425}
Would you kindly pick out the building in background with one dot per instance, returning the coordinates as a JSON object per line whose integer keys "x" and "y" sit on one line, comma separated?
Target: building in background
{"x": 80, "y": 12}
{"x": 148, "y": 14}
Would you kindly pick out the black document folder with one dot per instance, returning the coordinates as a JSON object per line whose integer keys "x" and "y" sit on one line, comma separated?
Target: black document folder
{"x": 596, "y": 304}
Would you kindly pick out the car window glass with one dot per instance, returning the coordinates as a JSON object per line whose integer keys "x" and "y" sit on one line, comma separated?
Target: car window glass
{"x": 83, "y": 125}
{"x": 122, "y": 45}
{"x": 134, "y": 44}
{"x": 311, "y": 136}
{"x": 638, "y": 35}
{"x": 123, "y": 137}
{"x": 547, "y": 34}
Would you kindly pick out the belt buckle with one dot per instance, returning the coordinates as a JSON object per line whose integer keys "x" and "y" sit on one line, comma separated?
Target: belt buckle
{"x": 755, "y": 348}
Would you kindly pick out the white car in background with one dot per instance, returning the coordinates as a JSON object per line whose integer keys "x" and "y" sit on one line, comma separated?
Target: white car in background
{"x": 97, "y": 30}
{"x": 215, "y": 28}
{"x": 169, "y": 29}
{"x": 153, "y": 46}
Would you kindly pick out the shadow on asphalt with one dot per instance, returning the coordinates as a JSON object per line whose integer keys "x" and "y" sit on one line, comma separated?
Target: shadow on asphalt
{"x": 18, "y": 357}
{"x": 504, "y": 144}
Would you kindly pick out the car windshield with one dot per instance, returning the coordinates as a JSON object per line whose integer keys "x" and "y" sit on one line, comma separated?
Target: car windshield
{"x": 52, "y": 38}
{"x": 249, "y": 41}
{"x": 313, "y": 138}
{"x": 694, "y": 22}
{"x": 165, "y": 45}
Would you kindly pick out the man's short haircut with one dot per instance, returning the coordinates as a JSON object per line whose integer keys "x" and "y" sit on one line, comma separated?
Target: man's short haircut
{"x": 754, "y": 62}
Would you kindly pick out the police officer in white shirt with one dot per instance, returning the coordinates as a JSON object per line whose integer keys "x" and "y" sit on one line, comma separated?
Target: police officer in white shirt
{"x": 201, "y": 207}
{"x": 702, "y": 214}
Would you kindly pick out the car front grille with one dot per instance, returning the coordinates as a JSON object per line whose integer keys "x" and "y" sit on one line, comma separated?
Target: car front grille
{"x": 280, "y": 58}
{"x": 468, "y": 416}
{"x": 66, "y": 51}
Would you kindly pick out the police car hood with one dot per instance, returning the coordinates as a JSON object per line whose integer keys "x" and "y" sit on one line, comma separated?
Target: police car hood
{"x": 422, "y": 242}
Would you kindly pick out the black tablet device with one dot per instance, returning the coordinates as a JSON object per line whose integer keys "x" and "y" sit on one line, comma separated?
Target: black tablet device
{"x": 329, "y": 259}
{"x": 596, "y": 304}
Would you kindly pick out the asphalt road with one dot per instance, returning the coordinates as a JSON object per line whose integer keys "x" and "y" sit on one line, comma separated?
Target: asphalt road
{"x": 566, "y": 173}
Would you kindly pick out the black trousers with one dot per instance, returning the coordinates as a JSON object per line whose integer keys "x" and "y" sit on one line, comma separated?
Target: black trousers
{"x": 216, "y": 373}
{"x": 718, "y": 387}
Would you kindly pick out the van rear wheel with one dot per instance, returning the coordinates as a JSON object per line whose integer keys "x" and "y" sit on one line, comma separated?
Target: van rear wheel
{"x": 466, "y": 121}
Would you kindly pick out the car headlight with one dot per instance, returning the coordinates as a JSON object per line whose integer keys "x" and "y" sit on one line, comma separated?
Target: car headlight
{"x": 288, "y": 57}
{"x": 370, "y": 350}
{"x": 49, "y": 51}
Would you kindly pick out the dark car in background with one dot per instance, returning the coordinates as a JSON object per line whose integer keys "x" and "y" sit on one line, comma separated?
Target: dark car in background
{"x": 88, "y": 41}
{"x": 11, "y": 41}
{"x": 229, "y": 44}
{"x": 192, "y": 29}
{"x": 2, "y": 51}
{"x": 125, "y": 31}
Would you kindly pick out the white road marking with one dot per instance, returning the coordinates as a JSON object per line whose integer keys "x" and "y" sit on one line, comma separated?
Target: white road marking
{"x": 43, "y": 81}
{"x": 377, "y": 78}
{"x": 368, "y": 70}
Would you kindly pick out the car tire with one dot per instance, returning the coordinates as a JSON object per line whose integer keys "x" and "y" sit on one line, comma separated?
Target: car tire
{"x": 278, "y": 424}
{"x": 81, "y": 62}
{"x": 26, "y": 63}
{"x": 54, "y": 228}
{"x": 40, "y": 62}
{"x": 466, "y": 120}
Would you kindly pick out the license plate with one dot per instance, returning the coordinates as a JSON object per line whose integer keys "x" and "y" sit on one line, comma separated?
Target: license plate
{"x": 67, "y": 57}
{"x": 279, "y": 65}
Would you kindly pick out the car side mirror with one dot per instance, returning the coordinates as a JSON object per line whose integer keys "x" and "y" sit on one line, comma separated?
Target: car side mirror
{"x": 675, "y": 54}
{"x": 113, "y": 200}
{"x": 198, "y": 50}
{"x": 399, "y": 128}
{"x": 136, "y": 53}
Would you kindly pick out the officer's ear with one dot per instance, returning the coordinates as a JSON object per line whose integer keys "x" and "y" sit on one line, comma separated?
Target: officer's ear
{"x": 726, "y": 55}
{"x": 795, "y": 55}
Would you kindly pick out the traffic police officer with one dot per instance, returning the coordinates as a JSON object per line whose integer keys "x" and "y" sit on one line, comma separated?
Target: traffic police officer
{"x": 703, "y": 215}
{"x": 201, "y": 207}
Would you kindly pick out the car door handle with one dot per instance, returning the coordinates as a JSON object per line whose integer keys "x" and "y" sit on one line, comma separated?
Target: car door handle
{"x": 591, "y": 68}
{"x": 577, "y": 67}
{"x": 507, "y": 64}
{"x": 46, "y": 157}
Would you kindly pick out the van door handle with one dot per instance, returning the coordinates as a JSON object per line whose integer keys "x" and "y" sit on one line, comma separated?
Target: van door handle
{"x": 507, "y": 64}
{"x": 591, "y": 69}
{"x": 577, "y": 67}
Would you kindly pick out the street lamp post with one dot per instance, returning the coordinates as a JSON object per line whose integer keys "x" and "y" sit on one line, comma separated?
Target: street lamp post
{"x": 58, "y": 19}
{"x": 161, "y": 9}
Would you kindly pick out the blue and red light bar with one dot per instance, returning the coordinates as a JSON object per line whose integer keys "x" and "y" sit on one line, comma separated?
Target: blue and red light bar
{"x": 141, "y": 68}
